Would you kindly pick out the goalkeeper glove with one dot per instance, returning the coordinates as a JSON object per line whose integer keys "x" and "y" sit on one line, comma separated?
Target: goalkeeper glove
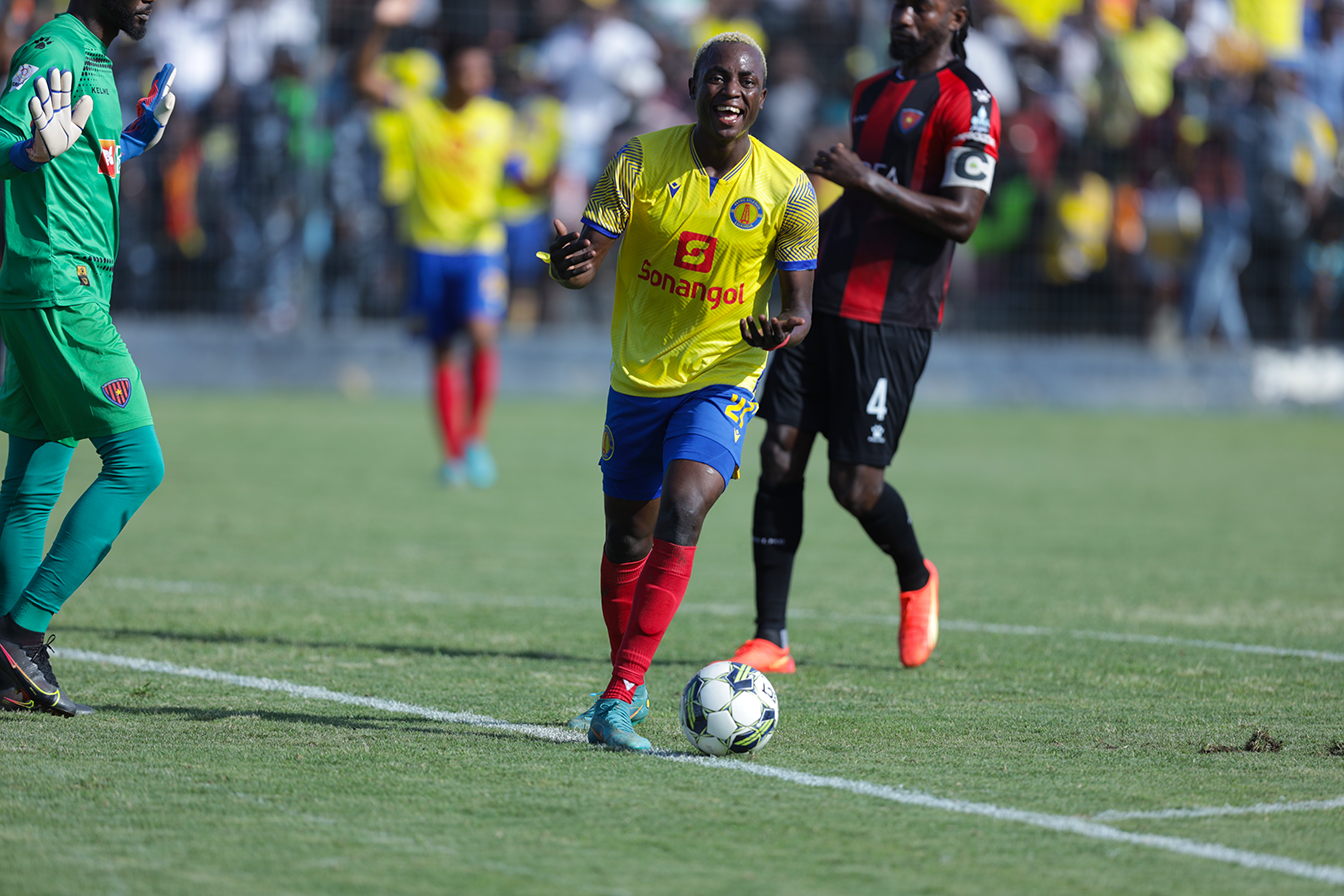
{"x": 56, "y": 126}
{"x": 154, "y": 110}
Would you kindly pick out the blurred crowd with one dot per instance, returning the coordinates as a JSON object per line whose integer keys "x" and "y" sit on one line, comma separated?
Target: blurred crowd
{"x": 1170, "y": 169}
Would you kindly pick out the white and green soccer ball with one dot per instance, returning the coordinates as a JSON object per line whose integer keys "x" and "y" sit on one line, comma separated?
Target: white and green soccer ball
{"x": 728, "y": 707}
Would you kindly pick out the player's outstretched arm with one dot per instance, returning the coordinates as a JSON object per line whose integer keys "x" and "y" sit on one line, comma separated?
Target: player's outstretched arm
{"x": 154, "y": 112}
{"x": 952, "y": 214}
{"x": 795, "y": 315}
{"x": 575, "y": 257}
{"x": 369, "y": 81}
{"x": 56, "y": 124}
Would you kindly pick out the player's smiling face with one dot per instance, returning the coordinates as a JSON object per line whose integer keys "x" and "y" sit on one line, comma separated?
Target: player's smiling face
{"x": 729, "y": 90}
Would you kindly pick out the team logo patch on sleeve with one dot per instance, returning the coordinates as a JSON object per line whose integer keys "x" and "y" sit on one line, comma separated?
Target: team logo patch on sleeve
{"x": 746, "y": 213}
{"x": 21, "y": 76}
{"x": 118, "y": 391}
{"x": 909, "y": 119}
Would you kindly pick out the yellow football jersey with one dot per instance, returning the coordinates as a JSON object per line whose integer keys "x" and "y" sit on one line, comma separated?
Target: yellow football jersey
{"x": 698, "y": 255}
{"x": 459, "y": 160}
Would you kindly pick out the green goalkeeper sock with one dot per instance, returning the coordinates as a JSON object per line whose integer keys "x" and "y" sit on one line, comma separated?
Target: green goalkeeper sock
{"x": 132, "y": 469}
{"x": 34, "y": 477}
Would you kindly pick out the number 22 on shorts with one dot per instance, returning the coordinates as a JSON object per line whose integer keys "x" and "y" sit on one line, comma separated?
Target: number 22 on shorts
{"x": 739, "y": 405}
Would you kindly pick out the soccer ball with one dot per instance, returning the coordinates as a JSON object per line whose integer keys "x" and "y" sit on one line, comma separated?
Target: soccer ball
{"x": 727, "y": 708}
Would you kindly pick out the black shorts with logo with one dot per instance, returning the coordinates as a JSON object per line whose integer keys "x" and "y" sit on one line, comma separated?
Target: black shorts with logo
{"x": 851, "y": 381}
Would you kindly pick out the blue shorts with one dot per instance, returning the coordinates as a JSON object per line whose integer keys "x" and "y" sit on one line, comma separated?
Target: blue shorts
{"x": 643, "y": 435}
{"x": 526, "y": 238}
{"x": 446, "y": 291}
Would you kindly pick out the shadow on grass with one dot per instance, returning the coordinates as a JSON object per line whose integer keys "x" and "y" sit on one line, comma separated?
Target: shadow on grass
{"x": 415, "y": 649}
{"x": 412, "y": 649}
{"x": 383, "y": 723}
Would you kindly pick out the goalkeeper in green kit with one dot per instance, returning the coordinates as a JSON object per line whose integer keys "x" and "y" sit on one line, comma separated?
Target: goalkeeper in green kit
{"x": 68, "y": 375}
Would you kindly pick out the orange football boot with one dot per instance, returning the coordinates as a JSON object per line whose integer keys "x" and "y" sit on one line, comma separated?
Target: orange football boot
{"x": 764, "y": 656}
{"x": 919, "y": 620}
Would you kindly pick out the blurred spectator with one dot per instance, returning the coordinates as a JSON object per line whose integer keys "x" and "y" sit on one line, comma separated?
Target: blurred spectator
{"x": 1148, "y": 52}
{"x": 606, "y": 65}
{"x": 1214, "y": 298}
{"x": 1323, "y": 64}
{"x": 1282, "y": 159}
{"x": 790, "y": 114}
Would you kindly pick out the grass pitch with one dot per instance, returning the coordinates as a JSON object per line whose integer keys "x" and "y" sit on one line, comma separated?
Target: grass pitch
{"x": 304, "y": 539}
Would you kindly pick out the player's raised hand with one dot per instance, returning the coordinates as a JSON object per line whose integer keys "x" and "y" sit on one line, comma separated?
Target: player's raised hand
{"x": 571, "y": 255}
{"x": 56, "y": 126}
{"x": 154, "y": 111}
{"x": 768, "y": 332}
{"x": 395, "y": 13}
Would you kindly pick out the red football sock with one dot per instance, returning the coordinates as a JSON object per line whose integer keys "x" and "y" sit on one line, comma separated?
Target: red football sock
{"x": 448, "y": 403}
{"x": 658, "y": 594}
{"x": 618, "y": 582}
{"x": 484, "y": 383}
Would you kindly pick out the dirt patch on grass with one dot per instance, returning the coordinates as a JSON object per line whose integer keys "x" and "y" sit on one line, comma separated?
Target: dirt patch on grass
{"x": 1261, "y": 742}
{"x": 1336, "y": 748}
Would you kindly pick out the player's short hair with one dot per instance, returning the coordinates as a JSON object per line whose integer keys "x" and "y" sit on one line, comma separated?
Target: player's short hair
{"x": 728, "y": 37}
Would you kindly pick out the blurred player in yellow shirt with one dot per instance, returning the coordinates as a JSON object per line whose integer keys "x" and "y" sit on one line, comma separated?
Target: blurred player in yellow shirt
{"x": 709, "y": 216}
{"x": 458, "y": 146}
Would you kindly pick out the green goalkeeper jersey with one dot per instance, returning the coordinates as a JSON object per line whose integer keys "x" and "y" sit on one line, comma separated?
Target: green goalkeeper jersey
{"x": 61, "y": 221}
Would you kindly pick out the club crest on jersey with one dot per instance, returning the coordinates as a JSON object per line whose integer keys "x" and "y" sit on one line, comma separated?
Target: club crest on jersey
{"x": 672, "y": 189}
{"x": 695, "y": 252}
{"x": 980, "y": 121}
{"x": 910, "y": 119}
{"x": 118, "y": 391}
{"x": 746, "y": 213}
{"x": 21, "y": 76}
{"x": 83, "y": 274}
{"x": 608, "y": 443}
{"x": 109, "y": 157}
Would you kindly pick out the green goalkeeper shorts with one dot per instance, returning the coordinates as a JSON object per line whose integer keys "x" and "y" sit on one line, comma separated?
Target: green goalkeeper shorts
{"x": 68, "y": 375}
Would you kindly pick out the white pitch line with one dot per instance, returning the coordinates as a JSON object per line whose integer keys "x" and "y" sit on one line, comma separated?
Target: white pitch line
{"x": 1060, "y": 823}
{"x": 569, "y": 603}
{"x": 1213, "y": 811}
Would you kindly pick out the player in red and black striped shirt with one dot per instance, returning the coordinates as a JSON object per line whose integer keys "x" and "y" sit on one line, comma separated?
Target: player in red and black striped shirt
{"x": 925, "y": 138}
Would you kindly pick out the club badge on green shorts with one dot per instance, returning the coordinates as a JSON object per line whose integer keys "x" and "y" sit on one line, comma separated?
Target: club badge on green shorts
{"x": 118, "y": 391}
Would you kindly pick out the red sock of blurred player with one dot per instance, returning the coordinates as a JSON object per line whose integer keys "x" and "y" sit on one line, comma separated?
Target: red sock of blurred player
{"x": 484, "y": 382}
{"x": 448, "y": 388}
{"x": 658, "y": 594}
{"x": 617, "y": 582}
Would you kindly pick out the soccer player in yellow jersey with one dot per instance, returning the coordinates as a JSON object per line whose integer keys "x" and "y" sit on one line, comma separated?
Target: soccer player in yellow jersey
{"x": 709, "y": 216}
{"x": 459, "y": 146}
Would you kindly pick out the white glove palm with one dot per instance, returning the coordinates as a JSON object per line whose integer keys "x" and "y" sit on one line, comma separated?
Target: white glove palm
{"x": 56, "y": 126}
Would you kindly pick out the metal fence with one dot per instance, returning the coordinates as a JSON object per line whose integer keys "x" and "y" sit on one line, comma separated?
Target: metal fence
{"x": 1160, "y": 169}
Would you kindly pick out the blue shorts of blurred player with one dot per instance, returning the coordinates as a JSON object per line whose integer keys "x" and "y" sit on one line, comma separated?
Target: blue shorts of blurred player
{"x": 447, "y": 291}
{"x": 525, "y": 238}
{"x": 643, "y": 435}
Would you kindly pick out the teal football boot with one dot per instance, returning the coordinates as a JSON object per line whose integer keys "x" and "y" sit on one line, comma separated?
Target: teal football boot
{"x": 639, "y": 710}
{"x": 611, "y": 727}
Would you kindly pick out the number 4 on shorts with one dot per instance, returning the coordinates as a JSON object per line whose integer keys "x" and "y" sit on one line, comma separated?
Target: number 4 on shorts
{"x": 877, "y": 402}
